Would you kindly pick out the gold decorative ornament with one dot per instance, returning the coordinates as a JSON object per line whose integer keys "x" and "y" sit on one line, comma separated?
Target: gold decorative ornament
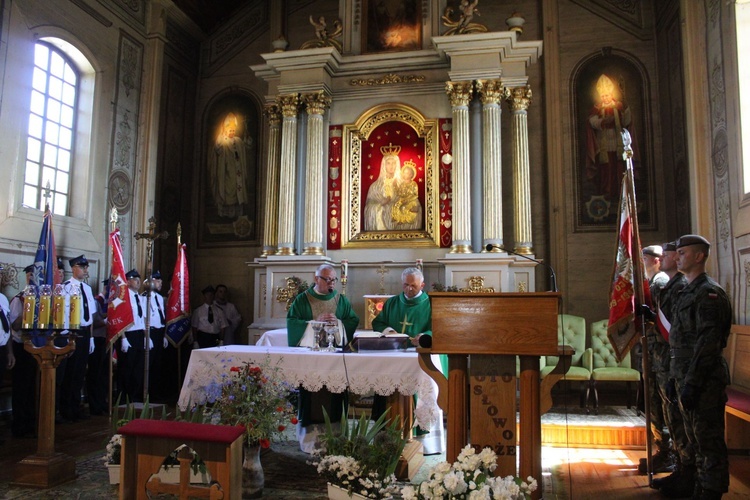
{"x": 294, "y": 286}
{"x": 476, "y": 285}
{"x": 463, "y": 25}
{"x": 388, "y": 79}
{"x": 324, "y": 38}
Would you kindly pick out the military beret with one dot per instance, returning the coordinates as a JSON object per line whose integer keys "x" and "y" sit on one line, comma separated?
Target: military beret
{"x": 105, "y": 283}
{"x": 653, "y": 250}
{"x": 669, "y": 247}
{"x": 156, "y": 275}
{"x": 29, "y": 268}
{"x": 60, "y": 264}
{"x": 78, "y": 261}
{"x": 208, "y": 289}
{"x": 691, "y": 239}
{"x": 133, "y": 273}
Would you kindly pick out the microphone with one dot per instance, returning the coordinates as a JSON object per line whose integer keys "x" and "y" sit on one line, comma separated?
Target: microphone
{"x": 553, "y": 278}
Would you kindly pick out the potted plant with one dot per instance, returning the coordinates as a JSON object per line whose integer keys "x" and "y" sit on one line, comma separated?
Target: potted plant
{"x": 256, "y": 397}
{"x": 470, "y": 476}
{"x": 359, "y": 460}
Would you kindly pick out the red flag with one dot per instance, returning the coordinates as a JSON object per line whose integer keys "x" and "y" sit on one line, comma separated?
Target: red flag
{"x": 119, "y": 311}
{"x": 178, "y": 302}
{"x": 627, "y": 283}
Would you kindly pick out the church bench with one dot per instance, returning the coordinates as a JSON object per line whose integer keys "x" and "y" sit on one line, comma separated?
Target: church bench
{"x": 146, "y": 443}
{"x": 737, "y": 410}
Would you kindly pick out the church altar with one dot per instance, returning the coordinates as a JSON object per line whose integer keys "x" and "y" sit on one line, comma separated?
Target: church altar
{"x": 384, "y": 372}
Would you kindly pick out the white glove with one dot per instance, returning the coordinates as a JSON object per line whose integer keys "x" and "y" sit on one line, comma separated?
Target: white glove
{"x": 166, "y": 343}
{"x": 150, "y": 344}
{"x": 196, "y": 345}
{"x": 125, "y": 345}
{"x": 91, "y": 345}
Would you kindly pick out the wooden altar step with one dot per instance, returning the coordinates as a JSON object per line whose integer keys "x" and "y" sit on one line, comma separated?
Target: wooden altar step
{"x": 614, "y": 427}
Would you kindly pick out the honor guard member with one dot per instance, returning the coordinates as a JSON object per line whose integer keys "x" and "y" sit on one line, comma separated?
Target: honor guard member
{"x": 75, "y": 370}
{"x": 97, "y": 377}
{"x": 24, "y": 366}
{"x": 700, "y": 329}
{"x": 208, "y": 322}
{"x": 682, "y": 480}
{"x": 232, "y": 315}
{"x": 134, "y": 342}
{"x": 5, "y": 343}
{"x": 157, "y": 326}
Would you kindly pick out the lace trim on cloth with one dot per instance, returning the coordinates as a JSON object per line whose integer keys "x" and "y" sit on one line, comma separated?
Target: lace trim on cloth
{"x": 384, "y": 376}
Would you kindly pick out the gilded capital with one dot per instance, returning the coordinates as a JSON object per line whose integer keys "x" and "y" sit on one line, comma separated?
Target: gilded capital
{"x": 459, "y": 93}
{"x": 273, "y": 114}
{"x": 289, "y": 104}
{"x": 518, "y": 98}
{"x": 316, "y": 103}
{"x": 490, "y": 91}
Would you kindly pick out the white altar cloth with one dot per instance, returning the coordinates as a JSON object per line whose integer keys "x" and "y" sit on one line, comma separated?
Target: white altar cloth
{"x": 383, "y": 372}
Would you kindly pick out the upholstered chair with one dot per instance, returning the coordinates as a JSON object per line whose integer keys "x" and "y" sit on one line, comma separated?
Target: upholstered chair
{"x": 571, "y": 330}
{"x": 606, "y": 367}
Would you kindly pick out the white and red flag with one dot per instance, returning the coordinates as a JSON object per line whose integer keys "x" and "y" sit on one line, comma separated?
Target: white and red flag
{"x": 627, "y": 291}
{"x": 119, "y": 311}
{"x": 178, "y": 302}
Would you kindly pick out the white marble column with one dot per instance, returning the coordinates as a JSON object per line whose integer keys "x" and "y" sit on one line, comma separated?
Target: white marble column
{"x": 289, "y": 105}
{"x": 491, "y": 93}
{"x": 271, "y": 202}
{"x": 316, "y": 104}
{"x": 460, "y": 94}
{"x": 519, "y": 99}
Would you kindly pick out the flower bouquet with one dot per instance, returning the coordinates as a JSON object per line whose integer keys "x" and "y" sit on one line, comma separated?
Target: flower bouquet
{"x": 470, "y": 477}
{"x": 361, "y": 458}
{"x": 255, "y": 397}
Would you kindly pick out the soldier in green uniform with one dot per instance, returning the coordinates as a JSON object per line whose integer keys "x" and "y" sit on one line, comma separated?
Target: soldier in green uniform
{"x": 700, "y": 329}
{"x": 321, "y": 303}
{"x": 682, "y": 480}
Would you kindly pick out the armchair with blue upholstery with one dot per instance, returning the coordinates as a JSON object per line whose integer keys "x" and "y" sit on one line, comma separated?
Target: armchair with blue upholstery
{"x": 606, "y": 367}
{"x": 571, "y": 330}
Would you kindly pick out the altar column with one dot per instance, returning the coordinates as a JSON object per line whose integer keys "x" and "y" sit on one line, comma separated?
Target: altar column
{"x": 271, "y": 212}
{"x": 316, "y": 104}
{"x": 490, "y": 93}
{"x": 519, "y": 99}
{"x": 289, "y": 104}
{"x": 460, "y": 94}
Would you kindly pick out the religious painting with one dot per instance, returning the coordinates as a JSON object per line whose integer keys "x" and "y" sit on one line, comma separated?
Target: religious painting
{"x": 393, "y": 177}
{"x": 391, "y": 25}
{"x": 610, "y": 96}
{"x": 229, "y": 200}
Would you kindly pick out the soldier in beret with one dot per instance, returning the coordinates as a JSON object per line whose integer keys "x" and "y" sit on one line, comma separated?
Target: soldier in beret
{"x": 702, "y": 318}
{"x": 24, "y": 367}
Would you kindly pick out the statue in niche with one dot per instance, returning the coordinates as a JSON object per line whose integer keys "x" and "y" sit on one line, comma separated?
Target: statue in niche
{"x": 228, "y": 168}
{"x": 407, "y": 210}
{"x": 381, "y": 194}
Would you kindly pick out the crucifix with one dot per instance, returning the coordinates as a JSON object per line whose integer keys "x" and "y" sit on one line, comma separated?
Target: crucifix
{"x": 382, "y": 271}
{"x": 150, "y": 236}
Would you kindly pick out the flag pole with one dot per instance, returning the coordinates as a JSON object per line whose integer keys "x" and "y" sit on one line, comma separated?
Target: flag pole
{"x": 112, "y": 227}
{"x": 638, "y": 281}
{"x": 179, "y": 347}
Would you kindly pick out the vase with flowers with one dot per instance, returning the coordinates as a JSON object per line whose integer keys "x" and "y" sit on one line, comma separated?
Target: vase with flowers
{"x": 470, "y": 476}
{"x": 359, "y": 459}
{"x": 256, "y": 397}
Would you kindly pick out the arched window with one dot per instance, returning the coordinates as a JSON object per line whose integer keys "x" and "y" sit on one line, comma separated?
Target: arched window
{"x": 52, "y": 122}
{"x": 742, "y": 13}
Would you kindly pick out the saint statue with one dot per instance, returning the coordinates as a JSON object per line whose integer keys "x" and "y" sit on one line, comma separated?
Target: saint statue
{"x": 406, "y": 212}
{"x": 381, "y": 193}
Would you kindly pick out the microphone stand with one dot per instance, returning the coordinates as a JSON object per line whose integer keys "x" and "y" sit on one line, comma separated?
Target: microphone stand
{"x": 553, "y": 277}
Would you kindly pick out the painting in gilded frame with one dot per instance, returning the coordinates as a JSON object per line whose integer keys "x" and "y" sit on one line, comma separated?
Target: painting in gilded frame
{"x": 392, "y": 25}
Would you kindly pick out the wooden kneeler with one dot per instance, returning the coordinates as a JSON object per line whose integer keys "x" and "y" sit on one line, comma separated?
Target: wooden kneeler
{"x": 145, "y": 444}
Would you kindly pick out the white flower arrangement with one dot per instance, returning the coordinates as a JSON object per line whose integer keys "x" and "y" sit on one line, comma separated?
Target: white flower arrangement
{"x": 348, "y": 473}
{"x": 470, "y": 477}
{"x": 114, "y": 447}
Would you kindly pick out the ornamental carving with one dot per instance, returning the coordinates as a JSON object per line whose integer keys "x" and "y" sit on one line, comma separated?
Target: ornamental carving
{"x": 476, "y": 285}
{"x": 294, "y": 286}
{"x": 388, "y": 79}
{"x": 120, "y": 191}
{"x": 518, "y": 98}
{"x": 459, "y": 93}
{"x": 490, "y": 91}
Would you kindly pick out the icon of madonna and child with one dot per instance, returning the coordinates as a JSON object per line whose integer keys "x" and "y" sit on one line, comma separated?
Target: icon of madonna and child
{"x": 392, "y": 202}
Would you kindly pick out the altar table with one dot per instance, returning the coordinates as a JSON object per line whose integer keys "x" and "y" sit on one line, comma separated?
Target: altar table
{"x": 383, "y": 372}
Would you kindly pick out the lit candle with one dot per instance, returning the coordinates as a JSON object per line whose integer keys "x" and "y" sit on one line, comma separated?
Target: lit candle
{"x": 58, "y": 308}
{"x": 75, "y": 309}
{"x": 344, "y": 267}
{"x": 29, "y": 305}
{"x": 44, "y": 307}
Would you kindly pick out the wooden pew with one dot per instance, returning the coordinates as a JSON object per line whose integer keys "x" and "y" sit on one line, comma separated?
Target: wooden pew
{"x": 737, "y": 411}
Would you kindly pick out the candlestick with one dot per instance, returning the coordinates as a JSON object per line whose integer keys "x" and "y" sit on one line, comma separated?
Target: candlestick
{"x": 419, "y": 264}
{"x": 45, "y": 297}
{"x": 344, "y": 267}
{"x": 58, "y": 308}
{"x": 74, "y": 320}
{"x": 29, "y": 306}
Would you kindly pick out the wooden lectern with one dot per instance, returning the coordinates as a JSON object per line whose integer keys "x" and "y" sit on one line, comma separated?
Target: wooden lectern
{"x": 482, "y": 333}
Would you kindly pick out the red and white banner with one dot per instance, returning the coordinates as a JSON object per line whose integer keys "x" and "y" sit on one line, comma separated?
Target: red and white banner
{"x": 178, "y": 302}
{"x": 627, "y": 282}
{"x": 119, "y": 311}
